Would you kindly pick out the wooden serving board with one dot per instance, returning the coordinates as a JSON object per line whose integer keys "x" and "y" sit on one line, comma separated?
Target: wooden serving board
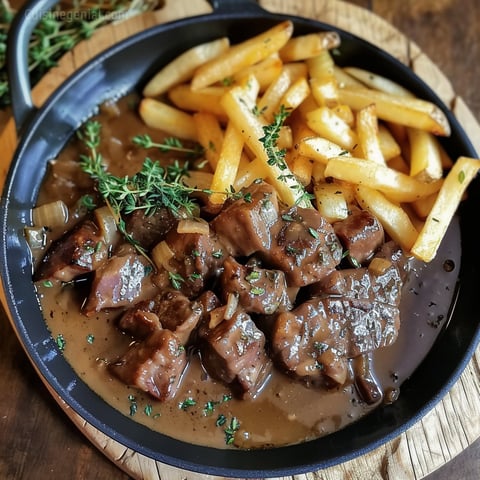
{"x": 455, "y": 422}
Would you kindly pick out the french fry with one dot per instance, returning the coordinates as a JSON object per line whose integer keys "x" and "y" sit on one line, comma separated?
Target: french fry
{"x": 322, "y": 79}
{"x": 209, "y": 135}
{"x": 345, "y": 113}
{"x": 393, "y": 218}
{"x": 269, "y": 103}
{"x": 399, "y": 164}
{"x": 397, "y": 186}
{"x": 331, "y": 201}
{"x": 377, "y": 82}
{"x": 170, "y": 120}
{"x": 265, "y": 71}
{"x": 456, "y": 182}
{"x": 410, "y": 112}
{"x": 388, "y": 145}
{"x": 242, "y": 55}
{"x": 206, "y": 100}
{"x": 227, "y": 164}
{"x": 320, "y": 149}
{"x": 182, "y": 67}
{"x": 251, "y": 127}
{"x": 344, "y": 80}
{"x": 250, "y": 172}
{"x": 425, "y": 157}
{"x": 296, "y": 94}
{"x": 367, "y": 132}
{"x": 308, "y": 46}
{"x": 326, "y": 123}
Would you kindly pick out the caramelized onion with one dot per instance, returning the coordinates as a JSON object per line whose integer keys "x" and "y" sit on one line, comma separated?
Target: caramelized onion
{"x": 50, "y": 214}
{"x": 107, "y": 224}
{"x": 161, "y": 255}
{"x": 193, "y": 225}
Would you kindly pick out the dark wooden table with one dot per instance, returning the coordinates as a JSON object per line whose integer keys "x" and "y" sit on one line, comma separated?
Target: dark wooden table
{"x": 37, "y": 440}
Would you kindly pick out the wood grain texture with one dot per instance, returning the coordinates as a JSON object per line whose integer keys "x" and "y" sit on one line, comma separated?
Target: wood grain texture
{"x": 440, "y": 436}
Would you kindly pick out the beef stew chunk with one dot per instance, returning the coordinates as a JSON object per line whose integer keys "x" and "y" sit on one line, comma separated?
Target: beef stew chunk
{"x": 361, "y": 234}
{"x": 234, "y": 352}
{"x": 123, "y": 279}
{"x": 305, "y": 246}
{"x": 80, "y": 251}
{"x": 169, "y": 309}
{"x": 154, "y": 365}
{"x": 245, "y": 224}
{"x": 259, "y": 290}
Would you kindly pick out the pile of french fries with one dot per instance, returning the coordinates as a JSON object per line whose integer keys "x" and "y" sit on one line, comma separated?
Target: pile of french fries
{"x": 358, "y": 138}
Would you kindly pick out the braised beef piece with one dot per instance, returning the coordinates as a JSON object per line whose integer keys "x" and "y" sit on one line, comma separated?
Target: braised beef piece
{"x": 352, "y": 312}
{"x": 234, "y": 352}
{"x": 80, "y": 251}
{"x": 197, "y": 259}
{"x": 307, "y": 344}
{"x": 169, "y": 309}
{"x": 361, "y": 234}
{"x": 244, "y": 225}
{"x": 148, "y": 230}
{"x": 122, "y": 280}
{"x": 305, "y": 246}
{"x": 140, "y": 321}
{"x": 259, "y": 290}
{"x": 154, "y": 365}
{"x": 381, "y": 281}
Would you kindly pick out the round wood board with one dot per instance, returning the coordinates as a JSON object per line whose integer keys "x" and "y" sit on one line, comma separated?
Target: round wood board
{"x": 455, "y": 422}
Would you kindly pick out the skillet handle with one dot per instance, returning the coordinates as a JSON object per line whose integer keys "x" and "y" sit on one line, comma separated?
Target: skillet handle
{"x": 235, "y": 6}
{"x": 17, "y": 58}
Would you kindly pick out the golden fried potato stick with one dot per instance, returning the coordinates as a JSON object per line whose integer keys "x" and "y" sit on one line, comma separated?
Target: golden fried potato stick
{"x": 181, "y": 69}
{"x": 242, "y": 55}
{"x": 448, "y": 199}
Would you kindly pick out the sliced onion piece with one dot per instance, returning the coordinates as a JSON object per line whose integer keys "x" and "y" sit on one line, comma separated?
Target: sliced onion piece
{"x": 50, "y": 215}
{"x": 107, "y": 224}
{"x": 161, "y": 255}
{"x": 36, "y": 237}
{"x": 193, "y": 225}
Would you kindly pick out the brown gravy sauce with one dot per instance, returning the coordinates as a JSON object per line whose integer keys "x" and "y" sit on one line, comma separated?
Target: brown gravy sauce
{"x": 285, "y": 412}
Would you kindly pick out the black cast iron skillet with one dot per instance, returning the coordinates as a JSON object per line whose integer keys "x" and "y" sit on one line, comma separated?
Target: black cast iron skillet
{"x": 124, "y": 68}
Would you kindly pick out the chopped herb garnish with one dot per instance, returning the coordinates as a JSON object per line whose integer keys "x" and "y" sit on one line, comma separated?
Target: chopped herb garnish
{"x": 217, "y": 254}
{"x": 148, "y": 410}
{"x": 61, "y": 342}
{"x": 188, "y": 402}
{"x": 461, "y": 176}
{"x": 169, "y": 144}
{"x": 176, "y": 280}
{"x": 231, "y": 430}
{"x": 313, "y": 232}
{"x": 253, "y": 275}
{"x": 221, "y": 420}
{"x": 90, "y": 338}
{"x": 257, "y": 291}
{"x": 48, "y": 283}
{"x": 133, "y": 405}
{"x": 209, "y": 407}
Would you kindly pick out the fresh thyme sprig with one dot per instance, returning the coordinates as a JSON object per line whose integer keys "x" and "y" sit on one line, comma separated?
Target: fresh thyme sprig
{"x": 276, "y": 156}
{"x": 60, "y": 30}
{"x": 170, "y": 144}
{"x": 152, "y": 187}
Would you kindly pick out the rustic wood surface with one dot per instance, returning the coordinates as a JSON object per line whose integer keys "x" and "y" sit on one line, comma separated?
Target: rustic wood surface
{"x": 40, "y": 438}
